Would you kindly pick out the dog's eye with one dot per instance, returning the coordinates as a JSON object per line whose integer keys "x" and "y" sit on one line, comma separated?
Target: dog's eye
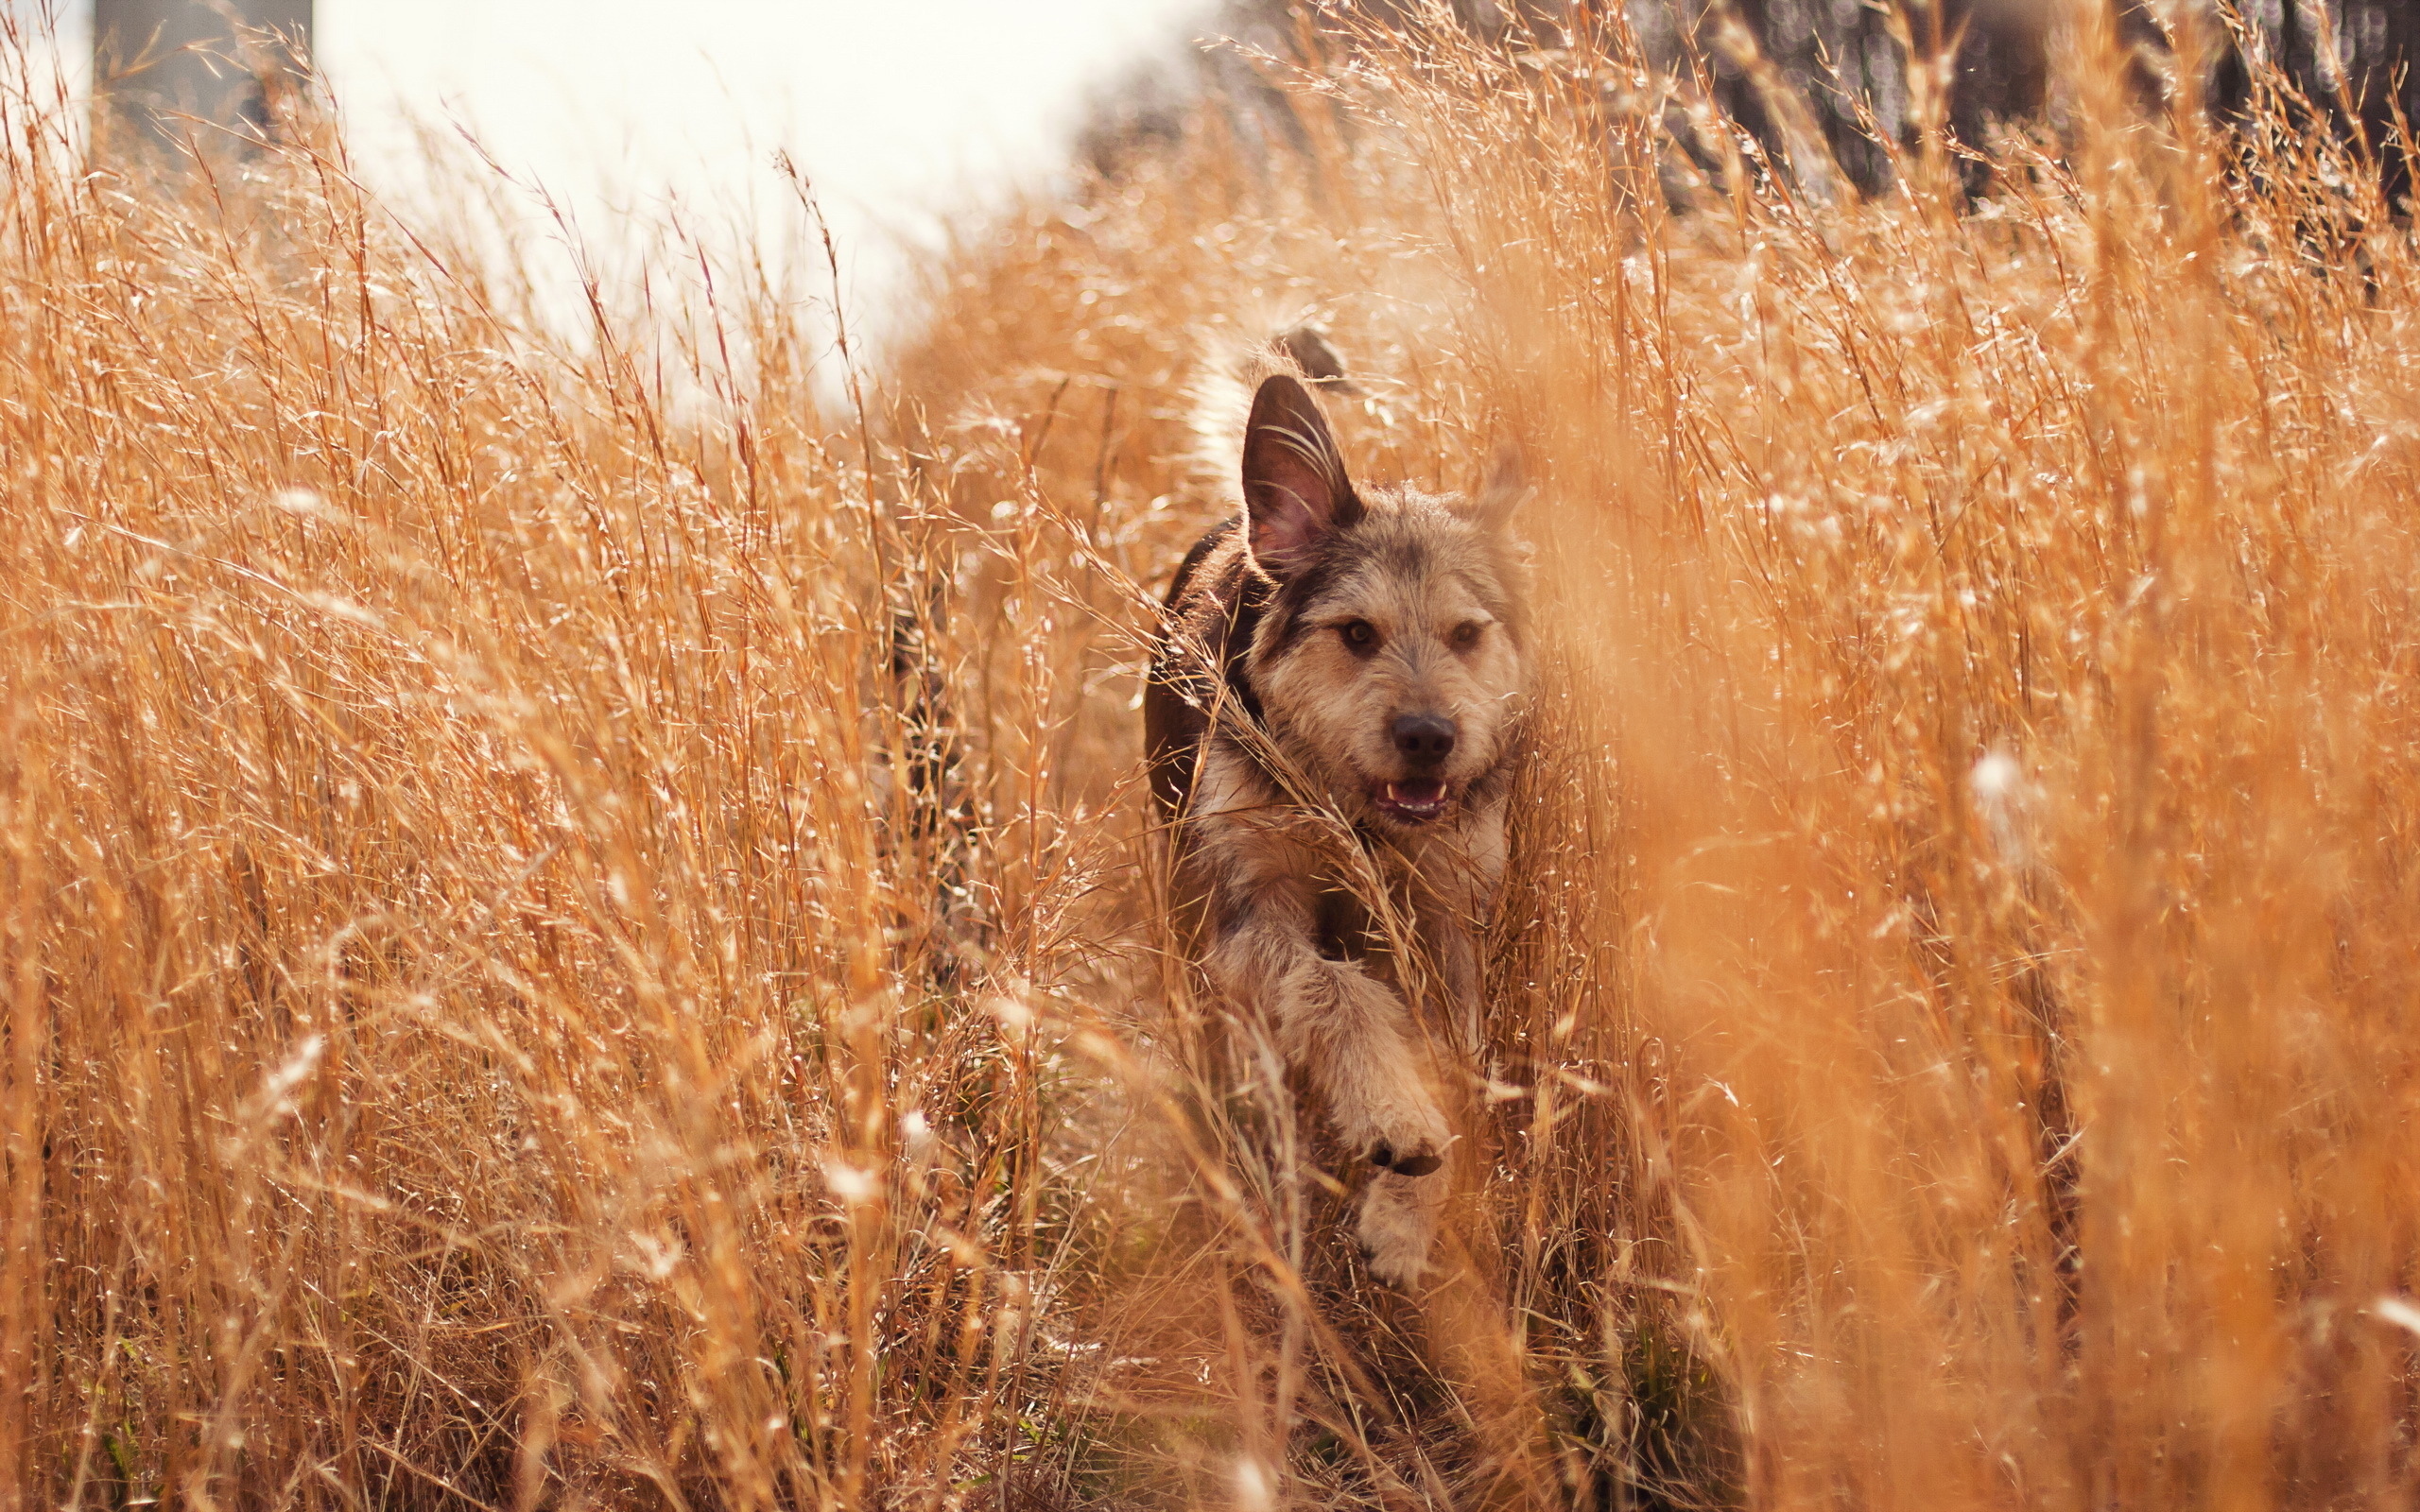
{"x": 1466, "y": 635}
{"x": 1358, "y": 632}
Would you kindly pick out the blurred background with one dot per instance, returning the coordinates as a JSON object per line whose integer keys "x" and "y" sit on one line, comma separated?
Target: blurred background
{"x": 897, "y": 113}
{"x": 906, "y": 116}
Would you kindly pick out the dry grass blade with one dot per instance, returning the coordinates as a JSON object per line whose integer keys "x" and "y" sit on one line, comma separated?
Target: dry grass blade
{"x": 578, "y": 931}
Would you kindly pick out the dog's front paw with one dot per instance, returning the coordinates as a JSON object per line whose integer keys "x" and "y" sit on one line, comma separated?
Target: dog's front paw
{"x": 1399, "y": 1225}
{"x": 1421, "y": 1160}
{"x": 1409, "y": 1137}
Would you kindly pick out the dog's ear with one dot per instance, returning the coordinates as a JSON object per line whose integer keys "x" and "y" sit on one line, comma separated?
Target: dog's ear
{"x": 1295, "y": 491}
{"x": 1501, "y": 496}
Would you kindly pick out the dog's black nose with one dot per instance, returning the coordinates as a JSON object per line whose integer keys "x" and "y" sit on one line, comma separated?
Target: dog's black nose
{"x": 1424, "y": 739}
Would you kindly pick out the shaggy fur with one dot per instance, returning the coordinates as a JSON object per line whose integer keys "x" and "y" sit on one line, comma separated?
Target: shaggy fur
{"x": 1330, "y": 717}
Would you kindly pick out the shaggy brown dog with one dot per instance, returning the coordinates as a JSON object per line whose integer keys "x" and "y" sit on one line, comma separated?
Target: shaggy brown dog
{"x": 1330, "y": 717}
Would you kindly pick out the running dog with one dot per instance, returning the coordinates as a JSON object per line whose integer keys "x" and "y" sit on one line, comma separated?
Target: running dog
{"x": 1331, "y": 718}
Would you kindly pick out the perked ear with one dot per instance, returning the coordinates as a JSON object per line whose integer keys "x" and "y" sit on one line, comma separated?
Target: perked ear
{"x": 1295, "y": 491}
{"x": 1508, "y": 485}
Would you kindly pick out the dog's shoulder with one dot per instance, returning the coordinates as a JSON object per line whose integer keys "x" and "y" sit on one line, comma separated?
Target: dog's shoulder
{"x": 1207, "y": 628}
{"x": 1212, "y": 572}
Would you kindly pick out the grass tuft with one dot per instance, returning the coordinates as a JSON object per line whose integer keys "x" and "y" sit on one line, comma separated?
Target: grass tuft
{"x": 578, "y": 926}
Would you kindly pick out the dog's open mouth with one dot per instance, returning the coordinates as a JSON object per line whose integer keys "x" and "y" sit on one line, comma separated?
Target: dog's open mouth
{"x": 1413, "y": 802}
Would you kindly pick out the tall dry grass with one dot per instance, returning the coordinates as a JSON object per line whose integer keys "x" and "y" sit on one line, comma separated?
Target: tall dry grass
{"x": 580, "y": 931}
{"x": 503, "y": 877}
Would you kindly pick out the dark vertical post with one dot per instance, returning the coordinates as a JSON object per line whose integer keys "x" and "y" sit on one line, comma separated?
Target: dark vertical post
{"x": 154, "y": 60}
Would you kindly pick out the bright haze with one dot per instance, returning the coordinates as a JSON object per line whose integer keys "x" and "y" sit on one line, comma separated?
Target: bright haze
{"x": 900, "y": 114}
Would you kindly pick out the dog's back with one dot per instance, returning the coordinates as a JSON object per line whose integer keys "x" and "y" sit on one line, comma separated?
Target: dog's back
{"x": 1200, "y": 613}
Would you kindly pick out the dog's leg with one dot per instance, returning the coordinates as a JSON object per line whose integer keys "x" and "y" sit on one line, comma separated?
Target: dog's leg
{"x": 1398, "y": 1225}
{"x": 1348, "y": 1030}
{"x": 1352, "y": 1037}
{"x": 1450, "y": 935}
{"x": 1455, "y": 884}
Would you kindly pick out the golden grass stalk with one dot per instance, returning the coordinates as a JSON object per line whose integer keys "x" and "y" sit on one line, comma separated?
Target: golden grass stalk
{"x": 578, "y": 930}
{"x": 500, "y": 888}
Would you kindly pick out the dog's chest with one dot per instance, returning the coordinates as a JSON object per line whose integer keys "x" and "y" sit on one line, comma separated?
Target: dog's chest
{"x": 1343, "y": 930}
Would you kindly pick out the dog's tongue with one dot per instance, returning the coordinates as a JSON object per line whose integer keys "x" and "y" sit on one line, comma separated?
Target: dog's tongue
{"x": 1417, "y": 798}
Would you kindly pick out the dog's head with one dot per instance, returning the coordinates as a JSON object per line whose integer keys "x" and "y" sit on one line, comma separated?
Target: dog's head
{"x": 1391, "y": 660}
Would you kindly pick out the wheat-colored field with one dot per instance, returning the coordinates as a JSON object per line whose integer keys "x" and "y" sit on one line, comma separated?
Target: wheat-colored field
{"x": 578, "y": 924}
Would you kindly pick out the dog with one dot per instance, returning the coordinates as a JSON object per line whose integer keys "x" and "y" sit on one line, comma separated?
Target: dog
{"x": 1332, "y": 716}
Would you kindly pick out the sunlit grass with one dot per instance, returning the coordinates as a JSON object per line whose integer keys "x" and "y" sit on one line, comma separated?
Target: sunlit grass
{"x": 579, "y": 930}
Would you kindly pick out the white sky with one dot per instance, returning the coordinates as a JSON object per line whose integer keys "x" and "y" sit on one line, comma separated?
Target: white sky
{"x": 899, "y": 111}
